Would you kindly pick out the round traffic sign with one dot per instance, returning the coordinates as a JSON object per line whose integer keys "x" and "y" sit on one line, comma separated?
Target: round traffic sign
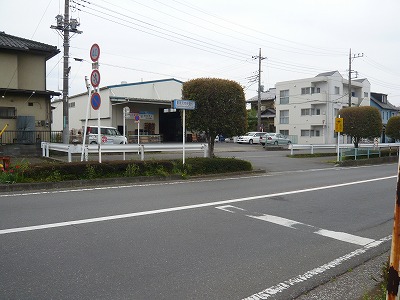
{"x": 95, "y": 52}
{"x": 137, "y": 118}
{"x": 104, "y": 139}
{"x": 95, "y": 101}
{"x": 95, "y": 78}
{"x": 127, "y": 111}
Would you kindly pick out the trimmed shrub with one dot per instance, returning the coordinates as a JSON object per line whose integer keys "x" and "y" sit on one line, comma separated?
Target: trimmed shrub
{"x": 114, "y": 169}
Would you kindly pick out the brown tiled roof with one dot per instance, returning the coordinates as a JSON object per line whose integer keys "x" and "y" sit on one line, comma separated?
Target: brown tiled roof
{"x": 20, "y": 44}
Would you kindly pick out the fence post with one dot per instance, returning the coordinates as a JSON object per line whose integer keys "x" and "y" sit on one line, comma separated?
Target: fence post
{"x": 141, "y": 152}
{"x": 205, "y": 147}
{"x": 43, "y": 145}
{"x": 47, "y": 149}
{"x": 69, "y": 154}
{"x": 312, "y": 149}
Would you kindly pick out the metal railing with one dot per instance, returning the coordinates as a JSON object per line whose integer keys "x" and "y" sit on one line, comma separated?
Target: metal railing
{"x": 30, "y": 136}
{"x": 119, "y": 148}
{"x": 342, "y": 147}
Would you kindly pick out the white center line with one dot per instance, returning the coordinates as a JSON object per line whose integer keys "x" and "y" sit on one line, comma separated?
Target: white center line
{"x": 186, "y": 207}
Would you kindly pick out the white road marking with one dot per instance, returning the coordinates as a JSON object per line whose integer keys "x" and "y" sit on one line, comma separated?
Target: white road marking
{"x": 345, "y": 237}
{"x": 280, "y": 287}
{"x": 229, "y": 208}
{"x": 341, "y": 236}
{"x": 186, "y": 207}
{"x": 277, "y": 220}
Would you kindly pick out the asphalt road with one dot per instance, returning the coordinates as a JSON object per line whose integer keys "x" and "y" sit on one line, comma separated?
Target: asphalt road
{"x": 269, "y": 236}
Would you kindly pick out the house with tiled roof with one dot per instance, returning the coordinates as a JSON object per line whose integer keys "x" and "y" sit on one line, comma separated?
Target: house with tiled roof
{"x": 386, "y": 109}
{"x": 267, "y": 99}
{"x": 25, "y": 110}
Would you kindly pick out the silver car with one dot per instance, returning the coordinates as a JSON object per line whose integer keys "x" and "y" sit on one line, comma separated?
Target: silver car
{"x": 274, "y": 139}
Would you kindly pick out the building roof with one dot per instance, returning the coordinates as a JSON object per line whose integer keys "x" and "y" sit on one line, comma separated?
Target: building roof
{"x": 381, "y": 104}
{"x": 143, "y": 82}
{"x": 327, "y": 73}
{"x": 10, "y": 42}
{"x": 268, "y": 95}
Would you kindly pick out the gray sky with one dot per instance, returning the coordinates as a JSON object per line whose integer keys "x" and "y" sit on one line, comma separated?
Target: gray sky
{"x": 186, "y": 39}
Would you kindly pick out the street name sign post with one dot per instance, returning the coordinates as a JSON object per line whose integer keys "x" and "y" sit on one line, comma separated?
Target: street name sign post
{"x": 184, "y": 105}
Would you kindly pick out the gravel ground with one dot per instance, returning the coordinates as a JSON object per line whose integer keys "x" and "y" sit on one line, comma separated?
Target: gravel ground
{"x": 353, "y": 285}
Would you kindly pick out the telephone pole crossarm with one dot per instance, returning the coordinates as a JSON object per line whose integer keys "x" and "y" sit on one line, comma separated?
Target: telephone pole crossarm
{"x": 351, "y": 71}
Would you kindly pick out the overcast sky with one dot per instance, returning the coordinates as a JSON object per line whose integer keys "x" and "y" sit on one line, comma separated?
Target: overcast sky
{"x": 143, "y": 40}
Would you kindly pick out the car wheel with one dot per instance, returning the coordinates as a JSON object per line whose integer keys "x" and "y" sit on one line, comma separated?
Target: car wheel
{"x": 289, "y": 142}
{"x": 276, "y": 143}
{"x": 251, "y": 142}
{"x": 93, "y": 142}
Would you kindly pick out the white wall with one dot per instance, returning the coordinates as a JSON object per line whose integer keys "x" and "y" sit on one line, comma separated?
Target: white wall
{"x": 327, "y": 101}
{"x": 111, "y": 115}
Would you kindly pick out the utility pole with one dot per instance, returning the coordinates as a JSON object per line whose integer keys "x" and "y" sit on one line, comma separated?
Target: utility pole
{"x": 65, "y": 25}
{"x": 260, "y": 58}
{"x": 350, "y": 71}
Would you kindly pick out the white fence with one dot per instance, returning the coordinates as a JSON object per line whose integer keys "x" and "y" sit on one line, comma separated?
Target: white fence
{"x": 119, "y": 148}
{"x": 293, "y": 147}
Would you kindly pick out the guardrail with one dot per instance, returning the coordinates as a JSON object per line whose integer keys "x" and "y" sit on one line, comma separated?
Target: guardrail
{"x": 118, "y": 148}
{"x": 379, "y": 146}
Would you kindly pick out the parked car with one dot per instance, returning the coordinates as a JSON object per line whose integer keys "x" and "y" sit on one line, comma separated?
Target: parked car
{"x": 109, "y": 135}
{"x": 274, "y": 139}
{"x": 252, "y": 137}
{"x": 219, "y": 138}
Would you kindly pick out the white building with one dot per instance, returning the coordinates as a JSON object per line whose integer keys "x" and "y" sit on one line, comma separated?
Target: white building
{"x": 144, "y": 99}
{"x": 307, "y": 108}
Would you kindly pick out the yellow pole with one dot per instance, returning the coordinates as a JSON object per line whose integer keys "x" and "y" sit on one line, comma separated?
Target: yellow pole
{"x": 393, "y": 276}
{"x": 1, "y": 132}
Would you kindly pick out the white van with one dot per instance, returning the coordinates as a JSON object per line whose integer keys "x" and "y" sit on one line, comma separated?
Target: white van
{"x": 109, "y": 135}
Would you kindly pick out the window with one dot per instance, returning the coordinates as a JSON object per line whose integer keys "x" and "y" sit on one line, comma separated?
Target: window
{"x": 305, "y": 132}
{"x": 310, "y": 111}
{"x": 315, "y": 90}
{"x": 305, "y": 90}
{"x": 8, "y": 112}
{"x": 71, "y": 104}
{"x": 315, "y": 111}
{"x": 337, "y": 90}
{"x": 284, "y": 132}
{"x": 284, "y": 97}
{"x": 310, "y": 90}
{"x": 365, "y": 94}
{"x": 314, "y": 133}
{"x": 284, "y": 117}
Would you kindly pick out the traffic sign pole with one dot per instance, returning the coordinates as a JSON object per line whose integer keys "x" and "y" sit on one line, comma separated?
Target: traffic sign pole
{"x": 95, "y": 81}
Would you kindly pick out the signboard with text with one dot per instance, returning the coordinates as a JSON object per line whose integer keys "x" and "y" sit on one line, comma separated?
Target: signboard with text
{"x": 184, "y": 104}
{"x": 338, "y": 124}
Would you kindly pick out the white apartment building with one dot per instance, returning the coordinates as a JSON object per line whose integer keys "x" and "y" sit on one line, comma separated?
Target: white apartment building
{"x": 307, "y": 108}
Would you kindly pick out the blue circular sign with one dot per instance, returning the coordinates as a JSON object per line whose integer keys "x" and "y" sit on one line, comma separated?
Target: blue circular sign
{"x": 95, "y": 101}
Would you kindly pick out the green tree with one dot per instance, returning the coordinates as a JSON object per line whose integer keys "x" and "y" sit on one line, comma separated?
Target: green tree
{"x": 361, "y": 122}
{"x": 252, "y": 120}
{"x": 393, "y": 127}
{"x": 220, "y": 108}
